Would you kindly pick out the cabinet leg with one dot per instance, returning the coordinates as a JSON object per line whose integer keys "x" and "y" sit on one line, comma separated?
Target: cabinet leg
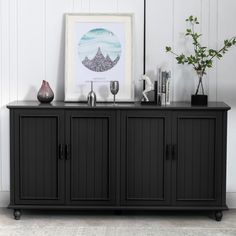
{"x": 17, "y": 214}
{"x": 118, "y": 212}
{"x": 218, "y": 215}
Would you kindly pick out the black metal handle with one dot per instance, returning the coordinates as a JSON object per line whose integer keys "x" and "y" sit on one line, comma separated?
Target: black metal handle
{"x": 60, "y": 150}
{"x": 174, "y": 152}
{"x": 168, "y": 152}
{"x": 67, "y": 152}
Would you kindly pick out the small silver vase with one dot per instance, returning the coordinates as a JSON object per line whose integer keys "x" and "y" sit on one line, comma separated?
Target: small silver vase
{"x": 92, "y": 99}
{"x": 45, "y": 93}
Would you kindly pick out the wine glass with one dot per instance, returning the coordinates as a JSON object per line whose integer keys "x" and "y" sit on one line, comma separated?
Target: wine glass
{"x": 114, "y": 88}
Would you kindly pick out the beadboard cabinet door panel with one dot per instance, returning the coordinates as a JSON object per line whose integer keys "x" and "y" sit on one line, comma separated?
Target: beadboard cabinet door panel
{"x": 39, "y": 172}
{"x": 145, "y": 163}
{"x": 197, "y": 164}
{"x": 90, "y": 167}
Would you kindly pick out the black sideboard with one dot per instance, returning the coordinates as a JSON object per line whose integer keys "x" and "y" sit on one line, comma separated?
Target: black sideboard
{"x": 123, "y": 157}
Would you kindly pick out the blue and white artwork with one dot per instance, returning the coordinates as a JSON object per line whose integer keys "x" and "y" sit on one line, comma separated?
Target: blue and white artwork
{"x": 99, "y": 50}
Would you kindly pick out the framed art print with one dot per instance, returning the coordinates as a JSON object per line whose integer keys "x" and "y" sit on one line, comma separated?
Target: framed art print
{"x": 99, "y": 49}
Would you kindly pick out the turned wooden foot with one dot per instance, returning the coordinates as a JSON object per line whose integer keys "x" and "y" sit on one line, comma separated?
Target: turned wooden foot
{"x": 218, "y": 215}
{"x": 17, "y": 214}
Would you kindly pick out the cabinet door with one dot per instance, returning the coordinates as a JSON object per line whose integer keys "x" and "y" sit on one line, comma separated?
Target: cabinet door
{"x": 91, "y": 162}
{"x": 197, "y": 163}
{"x": 39, "y": 173}
{"x": 145, "y": 163}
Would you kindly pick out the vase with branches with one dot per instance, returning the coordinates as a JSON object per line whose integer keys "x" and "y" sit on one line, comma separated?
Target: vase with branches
{"x": 202, "y": 57}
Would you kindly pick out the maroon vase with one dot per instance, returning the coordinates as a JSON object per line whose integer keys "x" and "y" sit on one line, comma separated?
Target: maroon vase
{"x": 45, "y": 93}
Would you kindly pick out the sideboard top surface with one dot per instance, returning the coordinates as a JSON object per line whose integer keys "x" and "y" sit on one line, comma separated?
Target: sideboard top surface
{"x": 119, "y": 106}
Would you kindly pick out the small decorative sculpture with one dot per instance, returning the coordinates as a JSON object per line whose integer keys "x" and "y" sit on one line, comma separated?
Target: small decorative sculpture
{"x": 45, "y": 93}
{"x": 149, "y": 86}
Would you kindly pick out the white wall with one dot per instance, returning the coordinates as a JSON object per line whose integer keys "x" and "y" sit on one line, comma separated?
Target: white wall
{"x": 32, "y": 49}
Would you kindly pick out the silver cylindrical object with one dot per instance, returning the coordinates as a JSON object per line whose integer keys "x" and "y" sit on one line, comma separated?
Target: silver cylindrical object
{"x": 163, "y": 99}
{"x": 92, "y": 99}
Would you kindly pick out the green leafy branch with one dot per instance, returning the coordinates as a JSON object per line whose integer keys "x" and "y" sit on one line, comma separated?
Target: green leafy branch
{"x": 202, "y": 58}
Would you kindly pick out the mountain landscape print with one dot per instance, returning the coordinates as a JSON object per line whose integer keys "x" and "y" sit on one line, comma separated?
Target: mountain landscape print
{"x": 99, "y": 50}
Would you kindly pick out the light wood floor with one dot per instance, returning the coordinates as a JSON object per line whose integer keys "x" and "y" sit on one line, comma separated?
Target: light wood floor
{"x": 38, "y": 223}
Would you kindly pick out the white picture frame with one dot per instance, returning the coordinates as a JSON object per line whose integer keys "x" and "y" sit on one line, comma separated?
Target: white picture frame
{"x": 98, "y": 47}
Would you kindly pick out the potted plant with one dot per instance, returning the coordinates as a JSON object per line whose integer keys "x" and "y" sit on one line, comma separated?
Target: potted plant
{"x": 201, "y": 59}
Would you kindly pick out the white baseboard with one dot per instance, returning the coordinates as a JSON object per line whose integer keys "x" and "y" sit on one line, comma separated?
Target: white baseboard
{"x": 5, "y": 198}
{"x": 231, "y": 200}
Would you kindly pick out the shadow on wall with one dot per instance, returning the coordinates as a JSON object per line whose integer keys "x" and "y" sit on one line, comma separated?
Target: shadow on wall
{"x": 104, "y": 92}
{"x": 60, "y": 85}
{"x": 226, "y": 93}
{"x": 152, "y": 75}
{"x": 184, "y": 84}
{"x": 32, "y": 93}
{"x": 184, "y": 79}
{"x": 138, "y": 88}
{"x": 58, "y": 89}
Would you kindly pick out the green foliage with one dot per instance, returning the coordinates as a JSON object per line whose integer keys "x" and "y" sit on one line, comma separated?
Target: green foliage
{"x": 202, "y": 58}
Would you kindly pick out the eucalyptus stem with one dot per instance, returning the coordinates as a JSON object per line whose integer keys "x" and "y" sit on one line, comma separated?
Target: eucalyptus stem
{"x": 202, "y": 87}
{"x": 198, "y": 87}
{"x": 202, "y": 58}
{"x": 196, "y": 93}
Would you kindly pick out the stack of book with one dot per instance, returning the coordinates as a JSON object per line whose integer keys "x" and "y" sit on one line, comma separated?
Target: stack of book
{"x": 164, "y": 87}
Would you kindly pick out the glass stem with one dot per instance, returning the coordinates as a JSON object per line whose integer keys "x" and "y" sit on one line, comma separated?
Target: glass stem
{"x": 114, "y": 99}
